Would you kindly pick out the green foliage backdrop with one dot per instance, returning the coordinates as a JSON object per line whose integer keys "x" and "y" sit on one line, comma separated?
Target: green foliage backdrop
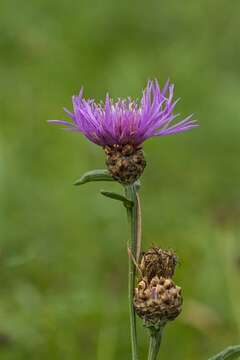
{"x": 63, "y": 260}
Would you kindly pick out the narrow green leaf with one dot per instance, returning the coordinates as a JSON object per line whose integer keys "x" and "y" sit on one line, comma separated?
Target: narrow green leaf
{"x": 230, "y": 353}
{"x": 112, "y": 195}
{"x": 94, "y": 175}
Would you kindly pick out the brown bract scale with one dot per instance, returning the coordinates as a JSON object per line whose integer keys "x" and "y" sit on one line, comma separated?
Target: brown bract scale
{"x": 125, "y": 163}
{"x": 157, "y": 302}
{"x": 158, "y": 262}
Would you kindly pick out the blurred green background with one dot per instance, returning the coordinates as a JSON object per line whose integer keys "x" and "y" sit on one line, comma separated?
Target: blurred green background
{"x": 63, "y": 261}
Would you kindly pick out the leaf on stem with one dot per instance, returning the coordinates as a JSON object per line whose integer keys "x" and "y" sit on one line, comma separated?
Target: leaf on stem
{"x": 112, "y": 195}
{"x": 230, "y": 353}
{"x": 94, "y": 175}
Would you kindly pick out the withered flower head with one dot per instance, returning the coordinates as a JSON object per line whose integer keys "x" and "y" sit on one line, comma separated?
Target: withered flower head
{"x": 157, "y": 299}
{"x": 157, "y": 302}
{"x": 158, "y": 262}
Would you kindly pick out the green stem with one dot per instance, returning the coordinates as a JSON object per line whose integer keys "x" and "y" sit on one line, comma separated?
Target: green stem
{"x": 132, "y": 213}
{"x": 154, "y": 344}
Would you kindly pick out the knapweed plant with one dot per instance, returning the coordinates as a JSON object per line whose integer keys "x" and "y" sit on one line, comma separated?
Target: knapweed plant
{"x": 120, "y": 128}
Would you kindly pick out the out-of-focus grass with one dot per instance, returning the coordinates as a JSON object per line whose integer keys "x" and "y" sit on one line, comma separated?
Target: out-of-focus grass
{"x": 63, "y": 261}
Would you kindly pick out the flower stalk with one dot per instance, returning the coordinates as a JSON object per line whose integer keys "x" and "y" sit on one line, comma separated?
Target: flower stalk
{"x": 133, "y": 218}
{"x": 154, "y": 343}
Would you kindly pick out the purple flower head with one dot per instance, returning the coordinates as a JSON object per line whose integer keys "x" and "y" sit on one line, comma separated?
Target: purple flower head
{"x": 127, "y": 121}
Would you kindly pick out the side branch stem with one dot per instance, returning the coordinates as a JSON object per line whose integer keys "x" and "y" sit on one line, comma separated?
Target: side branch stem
{"x": 134, "y": 246}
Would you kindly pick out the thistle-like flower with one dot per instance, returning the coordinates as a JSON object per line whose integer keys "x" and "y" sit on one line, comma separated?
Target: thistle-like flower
{"x": 121, "y": 127}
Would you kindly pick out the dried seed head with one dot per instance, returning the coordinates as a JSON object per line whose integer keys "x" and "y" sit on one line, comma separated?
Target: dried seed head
{"x": 126, "y": 163}
{"x": 159, "y": 303}
{"x": 158, "y": 262}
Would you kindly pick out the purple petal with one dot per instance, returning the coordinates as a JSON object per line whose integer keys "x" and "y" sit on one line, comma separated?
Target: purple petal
{"x": 60, "y": 122}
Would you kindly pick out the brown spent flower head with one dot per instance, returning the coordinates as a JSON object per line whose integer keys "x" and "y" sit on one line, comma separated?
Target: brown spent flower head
{"x": 157, "y": 302}
{"x": 158, "y": 262}
{"x": 125, "y": 163}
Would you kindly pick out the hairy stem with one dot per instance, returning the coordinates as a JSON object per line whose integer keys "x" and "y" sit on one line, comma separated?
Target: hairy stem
{"x": 134, "y": 246}
{"x": 154, "y": 343}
